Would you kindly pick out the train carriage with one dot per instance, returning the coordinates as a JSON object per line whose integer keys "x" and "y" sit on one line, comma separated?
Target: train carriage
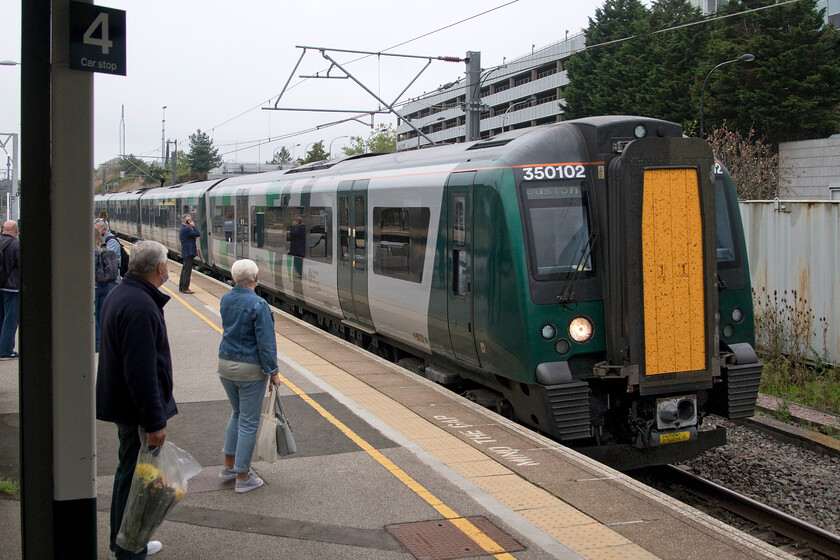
{"x": 588, "y": 278}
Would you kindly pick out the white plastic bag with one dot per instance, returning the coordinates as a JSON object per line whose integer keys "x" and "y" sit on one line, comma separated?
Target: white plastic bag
{"x": 160, "y": 481}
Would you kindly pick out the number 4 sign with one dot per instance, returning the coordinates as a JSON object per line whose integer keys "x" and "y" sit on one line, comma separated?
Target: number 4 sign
{"x": 97, "y": 39}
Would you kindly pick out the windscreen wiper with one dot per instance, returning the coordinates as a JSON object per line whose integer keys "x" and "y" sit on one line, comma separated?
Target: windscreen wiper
{"x": 569, "y": 295}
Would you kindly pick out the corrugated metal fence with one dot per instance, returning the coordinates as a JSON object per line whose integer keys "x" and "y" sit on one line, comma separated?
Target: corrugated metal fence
{"x": 795, "y": 246}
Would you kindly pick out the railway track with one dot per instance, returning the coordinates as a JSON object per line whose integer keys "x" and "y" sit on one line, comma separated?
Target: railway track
{"x": 819, "y": 540}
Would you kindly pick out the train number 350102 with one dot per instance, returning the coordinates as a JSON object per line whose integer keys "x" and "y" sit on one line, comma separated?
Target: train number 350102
{"x": 541, "y": 173}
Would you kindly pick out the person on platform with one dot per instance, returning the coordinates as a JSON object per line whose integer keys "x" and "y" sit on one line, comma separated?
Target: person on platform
{"x": 247, "y": 361}
{"x": 101, "y": 289}
{"x": 110, "y": 239}
{"x": 188, "y": 234}
{"x": 10, "y": 244}
{"x": 134, "y": 385}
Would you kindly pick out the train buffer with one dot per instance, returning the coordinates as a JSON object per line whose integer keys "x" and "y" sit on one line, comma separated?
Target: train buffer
{"x": 389, "y": 465}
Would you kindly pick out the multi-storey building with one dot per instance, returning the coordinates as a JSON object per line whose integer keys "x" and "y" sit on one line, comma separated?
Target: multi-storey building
{"x": 523, "y": 92}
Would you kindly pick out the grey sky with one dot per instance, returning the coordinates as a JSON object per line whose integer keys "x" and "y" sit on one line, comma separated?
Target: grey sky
{"x": 211, "y": 62}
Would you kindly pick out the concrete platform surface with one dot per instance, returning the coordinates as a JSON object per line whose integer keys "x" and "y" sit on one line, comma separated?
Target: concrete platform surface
{"x": 380, "y": 450}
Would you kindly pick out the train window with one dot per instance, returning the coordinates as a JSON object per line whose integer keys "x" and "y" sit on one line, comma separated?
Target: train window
{"x": 359, "y": 206}
{"x": 344, "y": 228}
{"x": 399, "y": 241}
{"x": 222, "y": 227}
{"x": 557, "y": 217}
{"x": 296, "y": 238}
{"x": 271, "y": 231}
{"x": 459, "y": 248}
{"x": 318, "y": 234}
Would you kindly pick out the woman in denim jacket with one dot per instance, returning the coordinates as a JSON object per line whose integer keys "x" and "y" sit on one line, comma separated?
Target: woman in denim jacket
{"x": 247, "y": 361}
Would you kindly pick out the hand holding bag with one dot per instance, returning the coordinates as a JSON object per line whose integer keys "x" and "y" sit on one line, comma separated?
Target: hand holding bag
{"x": 160, "y": 481}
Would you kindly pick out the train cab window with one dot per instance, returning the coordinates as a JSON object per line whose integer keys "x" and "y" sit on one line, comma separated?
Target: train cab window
{"x": 559, "y": 227}
{"x": 399, "y": 242}
{"x": 725, "y": 242}
{"x": 318, "y": 234}
{"x": 222, "y": 214}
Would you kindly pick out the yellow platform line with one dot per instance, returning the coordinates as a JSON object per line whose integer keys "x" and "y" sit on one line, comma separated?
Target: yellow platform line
{"x": 465, "y": 525}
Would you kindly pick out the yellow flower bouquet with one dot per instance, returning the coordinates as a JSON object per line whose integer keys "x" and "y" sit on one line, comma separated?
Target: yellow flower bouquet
{"x": 160, "y": 481}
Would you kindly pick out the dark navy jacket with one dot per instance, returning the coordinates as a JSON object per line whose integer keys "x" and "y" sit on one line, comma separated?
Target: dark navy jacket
{"x": 134, "y": 378}
{"x": 188, "y": 235}
{"x": 11, "y": 262}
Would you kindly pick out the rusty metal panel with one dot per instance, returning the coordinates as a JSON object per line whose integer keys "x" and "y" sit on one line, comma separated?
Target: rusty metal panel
{"x": 795, "y": 246}
{"x": 443, "y": 540}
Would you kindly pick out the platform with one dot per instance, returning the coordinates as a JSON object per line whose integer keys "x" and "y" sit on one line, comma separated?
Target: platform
{"x": 389, "y": 465}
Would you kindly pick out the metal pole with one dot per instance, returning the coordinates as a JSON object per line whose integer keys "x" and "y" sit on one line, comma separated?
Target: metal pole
{"x": 174, "y": 161}
{"x": 473, "y": 102}
{"x": 163, "y": 138}
{"x": 36, "y": 330}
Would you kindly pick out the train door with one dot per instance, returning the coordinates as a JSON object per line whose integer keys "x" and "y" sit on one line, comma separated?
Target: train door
{"x": 240, "y": 231}
{"x": 352, "y": 259}
{"x": 459, "y": 267}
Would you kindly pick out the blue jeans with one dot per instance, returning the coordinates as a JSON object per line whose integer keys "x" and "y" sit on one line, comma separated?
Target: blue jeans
{"x": 100, "y": 292}
{"x": 10, "y": 322}
{"x": 129, "y": 448}
{"x": 246, "y": 399}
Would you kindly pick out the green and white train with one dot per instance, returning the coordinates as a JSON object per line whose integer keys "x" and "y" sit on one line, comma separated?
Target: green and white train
{"x": 587, "y": 278}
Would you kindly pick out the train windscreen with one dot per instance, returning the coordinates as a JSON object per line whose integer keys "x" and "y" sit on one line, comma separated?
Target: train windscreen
{"x": 557, "y": 218}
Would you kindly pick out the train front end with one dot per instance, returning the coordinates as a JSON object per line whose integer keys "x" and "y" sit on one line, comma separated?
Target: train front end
{"x": 642, "y": 349}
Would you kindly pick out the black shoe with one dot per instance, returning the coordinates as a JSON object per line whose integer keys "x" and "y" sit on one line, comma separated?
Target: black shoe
{"x": 12, "y": 356}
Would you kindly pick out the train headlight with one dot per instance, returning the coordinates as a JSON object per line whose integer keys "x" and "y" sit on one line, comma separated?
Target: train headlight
{"x": 737, "y": 315}
{"x": 728, "y": 330}
{"x": 548, "y": 331}
{"x": 581, "y": 329}
{"x": 640, "y": 131}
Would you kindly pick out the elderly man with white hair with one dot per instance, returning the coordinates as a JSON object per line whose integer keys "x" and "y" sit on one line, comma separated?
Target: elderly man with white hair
{"x": 247, "y": 361}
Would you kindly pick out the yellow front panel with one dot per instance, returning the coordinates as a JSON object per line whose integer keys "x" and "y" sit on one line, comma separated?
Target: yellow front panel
{"x": 672, "y": 272}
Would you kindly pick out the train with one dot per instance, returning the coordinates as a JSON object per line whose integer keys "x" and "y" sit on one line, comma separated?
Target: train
{"x": 587, "y": 278}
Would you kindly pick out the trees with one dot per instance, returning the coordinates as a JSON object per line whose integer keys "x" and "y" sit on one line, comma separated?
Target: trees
{"x": 282, "y": 156}
{"x": 381, "y": 141}
{"x": 790, "y": 92}
{"x": 315, "y": 153}
{"x": 202, "y": 156}
{"x": 753, "y": 165}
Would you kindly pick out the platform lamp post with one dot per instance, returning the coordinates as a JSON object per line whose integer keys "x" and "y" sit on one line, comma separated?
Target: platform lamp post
{"x": 331, "y": 143}
{"x": 13, "y": 200}
{"x": 741, "y": 59}
{"x": 505, "y": 116}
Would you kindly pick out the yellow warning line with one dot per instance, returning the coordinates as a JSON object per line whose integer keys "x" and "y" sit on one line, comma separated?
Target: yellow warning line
{"x": 481, "y": 539}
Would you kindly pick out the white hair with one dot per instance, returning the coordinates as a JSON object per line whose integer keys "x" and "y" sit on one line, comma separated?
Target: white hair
{"x": 244, "y": 272}
{"x": 145, "y": 257}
